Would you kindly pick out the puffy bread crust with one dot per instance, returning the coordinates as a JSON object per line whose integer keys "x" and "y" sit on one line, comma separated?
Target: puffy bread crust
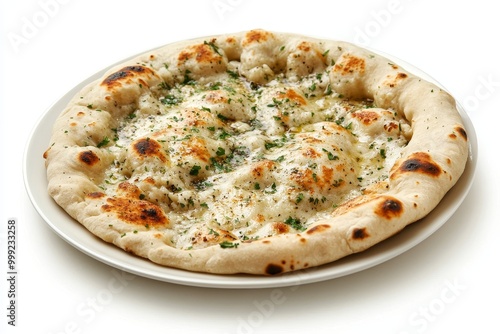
{"x": 430, "y": 165}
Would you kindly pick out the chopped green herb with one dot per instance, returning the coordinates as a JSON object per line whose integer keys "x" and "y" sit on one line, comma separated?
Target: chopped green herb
{"x": 220, "y": 151}
{"x": 228, "y": 244}
{"x": 222, "y": 117}
{"x": 213, "y": 46}
{"x": 299, "y": 198}
{"x": 194, "y": 171}
{"x": 295, "y": 223}
{"x": 171, "y": 100}
{"x": 232, "y": 74}
{"x": 103, "y": 142}
{"x": 330, "y": 155}
{"x": 272, "y": 189}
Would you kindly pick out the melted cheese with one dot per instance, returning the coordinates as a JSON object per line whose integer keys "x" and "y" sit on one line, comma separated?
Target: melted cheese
{"x": 231, "y": 161}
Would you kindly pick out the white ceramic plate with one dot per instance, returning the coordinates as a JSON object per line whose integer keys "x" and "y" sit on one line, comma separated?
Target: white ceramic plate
{"x": 79, "y": 237}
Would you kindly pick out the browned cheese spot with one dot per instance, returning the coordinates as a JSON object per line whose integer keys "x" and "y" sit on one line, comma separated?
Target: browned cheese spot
{"x": 256, "y": 36}
{"x": 310, "y": 152}
{"x": 349, "y": 65}
{"x": 262, "y": 167}
{"x": 129, "y": 190}
{"x": 292, "y": 95}
{"x": 202, "y": 53}
{"x": 280, "y": 227}
{"x": 197, "y": 148}
{"x": 212, "y": 236}
{"x": 125, "y": 75}
{"x": 318, "y": 228}
{"x": 307, "y": 47}
{"x": 274, "y": 269}
{"x": 359, "y": 233}
{"x": 89, "y": 158}
{"x": 310, "y": 181}
{"x": 389, "y": 127}
{"x": 149, "y": 147}
{"x": 367, "y": 117}
{"x": 389, "y": 208}
{"x": 216, "y": 97}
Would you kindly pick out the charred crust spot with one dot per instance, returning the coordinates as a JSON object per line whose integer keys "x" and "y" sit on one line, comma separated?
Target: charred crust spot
{"x": 274, "y": 269}
{"x": 149, "y": 147}
{"x": 135, "y": 211}
{"x": 318, "y": 228}
{"x": 304, "y": 46}
{"x": 421, "y": 163}
{"x": 95, "y": 195}
{"x": 46, "y": 153}
{"x": 149, "y": 180}
{"x": 462, "y": 132}
{"x": 401, "y": 76}
{"x": 389, "y": 208}
{"x": 303, "y": 240}
{"x": 89, "y": 158}
{"x": 266, "y": 242}
{"x": 359, "y": 233}
{"x": 125, "y": 73}
{"x": 349, "y": 65}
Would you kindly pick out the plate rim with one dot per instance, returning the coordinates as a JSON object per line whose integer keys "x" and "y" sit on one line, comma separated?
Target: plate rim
{"x": 348, "y": 265}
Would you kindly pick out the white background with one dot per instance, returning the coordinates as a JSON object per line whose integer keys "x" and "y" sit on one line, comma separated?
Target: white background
{"x": 449, "y": 283}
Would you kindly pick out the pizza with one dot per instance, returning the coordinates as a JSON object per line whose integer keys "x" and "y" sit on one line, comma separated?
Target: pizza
{"x": 255, "y": 152}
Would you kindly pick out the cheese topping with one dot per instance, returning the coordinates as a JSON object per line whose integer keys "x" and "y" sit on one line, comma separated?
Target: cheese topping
{"x": 231, "y": 161}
